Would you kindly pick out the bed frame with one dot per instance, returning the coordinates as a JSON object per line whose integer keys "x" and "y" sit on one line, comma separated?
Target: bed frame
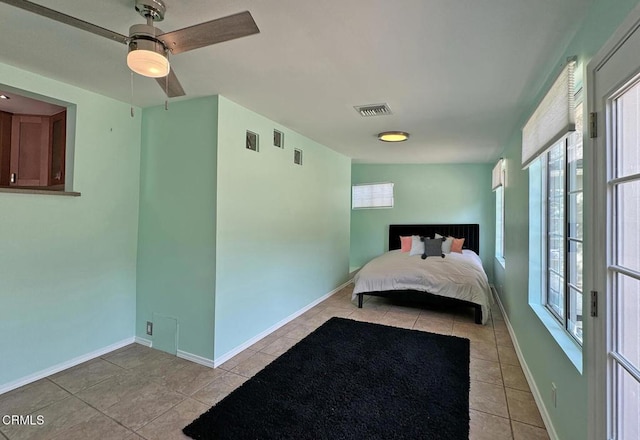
{"x": 471, "y": 234}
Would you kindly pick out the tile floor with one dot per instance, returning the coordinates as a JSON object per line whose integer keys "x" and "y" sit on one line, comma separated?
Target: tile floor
{"x": 139, "y": 393}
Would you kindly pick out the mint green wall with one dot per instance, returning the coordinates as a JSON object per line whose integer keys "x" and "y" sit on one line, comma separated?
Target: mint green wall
{"x": 177, "y": 233}
{"x": 282, "y": 229}
{"x": 68, "y": 264}
{"x": 546, "y": 361}
{"x": 455, "y": 193}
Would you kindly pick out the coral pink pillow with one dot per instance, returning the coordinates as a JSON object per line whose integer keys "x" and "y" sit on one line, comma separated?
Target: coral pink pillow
{"x": 457, "y": 244}
{"x": 405, "y": 244}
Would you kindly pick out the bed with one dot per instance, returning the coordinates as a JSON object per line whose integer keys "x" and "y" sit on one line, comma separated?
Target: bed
{"x": 456, "y": 279}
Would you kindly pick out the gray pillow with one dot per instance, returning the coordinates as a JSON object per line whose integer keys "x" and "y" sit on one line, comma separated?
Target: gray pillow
{"x": 432, "y": 248}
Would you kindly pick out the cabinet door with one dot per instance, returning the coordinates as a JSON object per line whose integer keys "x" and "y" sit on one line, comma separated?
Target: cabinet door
{"x": 30, "y": 151}
{"x": 5, "y": 147}
{"x": 57, "y": 148}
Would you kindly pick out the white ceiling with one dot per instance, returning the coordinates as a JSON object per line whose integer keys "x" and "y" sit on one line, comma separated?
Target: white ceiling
{"x": 457, "y": 74}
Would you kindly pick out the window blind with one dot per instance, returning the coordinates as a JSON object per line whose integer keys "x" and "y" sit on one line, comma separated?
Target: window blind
{"x": 497, "y": 176}
{"x": 553, "y": 118}
{"x": 373, "y": 195}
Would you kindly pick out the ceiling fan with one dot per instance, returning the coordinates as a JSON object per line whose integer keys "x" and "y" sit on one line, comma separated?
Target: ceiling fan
{"x": 149, "y": 46}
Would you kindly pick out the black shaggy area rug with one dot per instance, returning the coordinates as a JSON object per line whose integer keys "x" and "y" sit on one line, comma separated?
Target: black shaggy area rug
{"x": 351, "y": 380}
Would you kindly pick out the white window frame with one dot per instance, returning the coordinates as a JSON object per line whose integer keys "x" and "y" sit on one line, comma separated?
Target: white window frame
{"x": 500, "y": 254}
{"x": 564, "y": 316}
{"x": 372, "y": 195}
{"x": 537, "y": 237}
{"x": 498, "y": 185}
{"x": 538, "y": 265}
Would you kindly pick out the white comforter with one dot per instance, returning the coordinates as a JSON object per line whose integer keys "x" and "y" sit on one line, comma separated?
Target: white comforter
{"x": 455, "y": 276}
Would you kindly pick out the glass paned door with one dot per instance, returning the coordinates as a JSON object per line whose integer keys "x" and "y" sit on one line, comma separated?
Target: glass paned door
{"x": 624, "y": 263}
{"x": 612, "y": 237}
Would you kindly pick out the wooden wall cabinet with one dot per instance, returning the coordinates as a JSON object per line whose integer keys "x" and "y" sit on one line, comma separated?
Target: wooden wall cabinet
{"x": 37, "y": 151}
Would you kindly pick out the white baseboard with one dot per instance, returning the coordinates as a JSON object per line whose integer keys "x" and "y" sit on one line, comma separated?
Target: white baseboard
{"x": 63, "y": 366}
{"x": 195, "y": 358}
{"x": 143, "y": 341}
{"x": 4, "y": 388}
{"x": 537, "y": 396}
{"x": 181, "y": 354}
{"x": 231, "y": 353}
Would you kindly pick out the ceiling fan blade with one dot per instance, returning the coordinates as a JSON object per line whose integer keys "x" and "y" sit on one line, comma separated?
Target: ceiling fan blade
{"x": 66, "y": 19}
{"x": 212, "y": 32}
{"x": 171, "y": 85}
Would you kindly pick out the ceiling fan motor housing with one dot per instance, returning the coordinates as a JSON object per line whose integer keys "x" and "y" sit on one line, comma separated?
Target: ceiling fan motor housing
{"x": 143, "y": 36}
{"x": 142, "y": 43}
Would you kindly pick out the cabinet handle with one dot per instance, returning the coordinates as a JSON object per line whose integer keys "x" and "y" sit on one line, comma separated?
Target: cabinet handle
{"x": 13, "y": 177}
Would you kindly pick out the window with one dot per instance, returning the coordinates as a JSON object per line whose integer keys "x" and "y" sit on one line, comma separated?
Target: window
{"x": 563, "y": 208}
{"x": 500, "y": 224}
{"x": 372, "y": 195}
{"x": 497, "y": 184}
{"x": 552, "y": 152}
{"x": 33, "y": 143}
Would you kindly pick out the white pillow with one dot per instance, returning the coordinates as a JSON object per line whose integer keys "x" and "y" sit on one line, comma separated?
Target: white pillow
{"x": 446, "y": 244}
{"x": 417, "y": 246}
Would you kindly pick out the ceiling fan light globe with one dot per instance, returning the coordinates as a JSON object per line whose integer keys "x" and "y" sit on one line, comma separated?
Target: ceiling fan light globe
{"x": 148, "y": 63}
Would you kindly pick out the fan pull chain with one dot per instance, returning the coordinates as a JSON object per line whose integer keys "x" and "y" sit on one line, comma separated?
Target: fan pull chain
{"x": 132, "y": 94}
{"x": 166, "y": 86}
{"x": 166, "y": 91}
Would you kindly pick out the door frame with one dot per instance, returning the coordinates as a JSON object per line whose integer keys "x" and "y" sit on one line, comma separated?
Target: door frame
{"x": 597, "y": 337}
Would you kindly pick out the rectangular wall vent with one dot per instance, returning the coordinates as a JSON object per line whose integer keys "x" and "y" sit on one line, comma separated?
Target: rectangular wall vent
{"x": 373, "y": 110}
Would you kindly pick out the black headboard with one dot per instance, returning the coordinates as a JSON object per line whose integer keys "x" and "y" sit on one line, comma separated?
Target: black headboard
{"x": 471, "y": 234}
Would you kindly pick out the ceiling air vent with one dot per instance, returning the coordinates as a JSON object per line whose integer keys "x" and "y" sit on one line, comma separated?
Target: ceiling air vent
{"x": 373, "y": 110}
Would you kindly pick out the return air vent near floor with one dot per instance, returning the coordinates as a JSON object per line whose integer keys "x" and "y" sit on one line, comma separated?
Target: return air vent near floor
{"x": 373, "y": 110}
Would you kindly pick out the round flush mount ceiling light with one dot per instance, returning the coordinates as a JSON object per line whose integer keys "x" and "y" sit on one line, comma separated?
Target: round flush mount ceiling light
{"x": 393, "y": 136}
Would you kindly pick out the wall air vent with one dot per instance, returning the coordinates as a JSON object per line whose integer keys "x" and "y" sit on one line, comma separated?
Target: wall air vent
{"x": 373, "y": 110}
